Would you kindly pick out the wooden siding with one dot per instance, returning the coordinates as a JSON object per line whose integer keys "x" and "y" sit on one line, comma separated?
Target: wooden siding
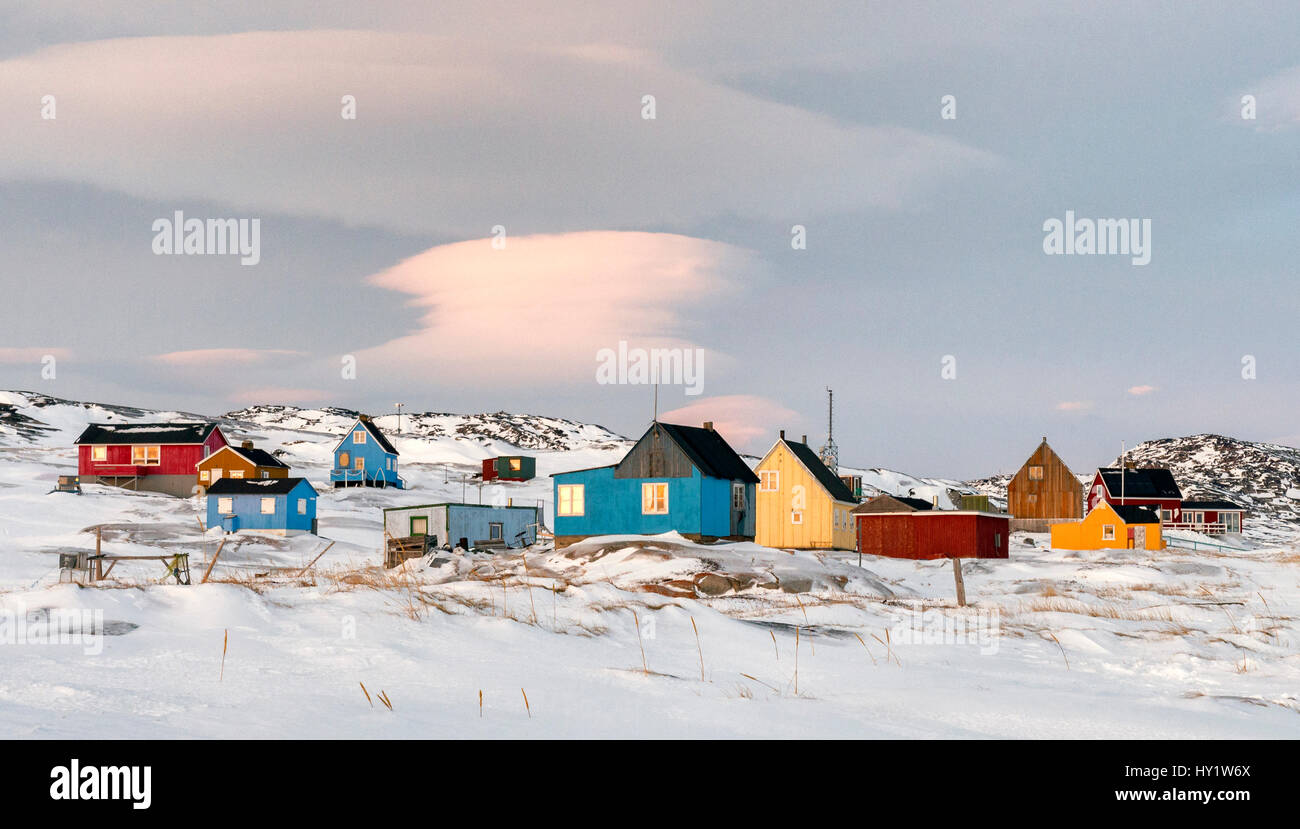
{"x": 1057, "y": 495}
{"x": 233, "y": 460}
{"x": 655, "y": 455}
{"x": 932, "y": 535}
{"x": 1087, "y": 534}
{"x": 819, "y": 528}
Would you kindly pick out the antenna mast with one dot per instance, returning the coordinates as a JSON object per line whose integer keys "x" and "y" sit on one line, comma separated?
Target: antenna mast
{"x": 830, "y": 453}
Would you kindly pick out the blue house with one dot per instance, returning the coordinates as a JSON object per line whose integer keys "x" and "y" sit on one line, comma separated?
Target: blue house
{"x": 682, "y": 478}
{"x": 464, "y": 525}
{"x": 364, "y": 457}
{"x": 278, "y": 506}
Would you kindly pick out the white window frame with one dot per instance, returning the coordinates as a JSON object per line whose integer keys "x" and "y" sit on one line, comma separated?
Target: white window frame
{"x": 225, "y": 506}
{"x": 652, "y": 505}
{"x": 99, "y": 453}
{"x": 496, "y": 527}
{"x": 796, "y": 516}
{"x": 302, "y": 506}
{"x": 359, "y": 463}
{"x": 359, "y": 436}
{"x": 145, "y": 450}
{"x": 769, "y": 480}
{"x": 571, "y": 500}
{"x": 1107, "y": 532}
{"x": 203, "y": 475}
{"x": 268, "y": 500}
{"x": 236, "y": 474}
{"x": 737, "y": 496}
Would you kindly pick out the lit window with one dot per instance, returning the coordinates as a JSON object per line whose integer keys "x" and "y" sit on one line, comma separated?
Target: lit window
{"x": 1035, "y": 473}
{"x": 345, "y": 460}
{"x": 203, "y": 475}
{"x": 654, "y": 499}
{"x": 359, "y": 436}
{"x": 268, "y": 506}
{"x": 769, "y": 480}
{"x": 571, "y": 499}
{"x": 99, "y": 453}
{"x": 236, "y": 473}
{"x": 144, "y": 455}
{"x": 516, "y": 464}
{"x": 226, "y": 506}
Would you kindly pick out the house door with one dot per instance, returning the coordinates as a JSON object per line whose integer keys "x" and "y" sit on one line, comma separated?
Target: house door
{"x": 216, "y": 474}
{"x": 1139, "y": 537}
{"x": 738, "y": 509}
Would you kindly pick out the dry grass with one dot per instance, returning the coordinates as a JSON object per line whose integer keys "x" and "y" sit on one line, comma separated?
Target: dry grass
{"x": 1103, "y": 611}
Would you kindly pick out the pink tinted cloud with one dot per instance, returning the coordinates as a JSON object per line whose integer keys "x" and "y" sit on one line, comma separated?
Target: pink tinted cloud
{"x": 542, "y": 308}
{"x": 18, "y": 356}
{"x": 222, "y": 356}
{"x": 1073, "y": 406}
{"x": 1141, "y": 390}
{"x": 746, "y": 421}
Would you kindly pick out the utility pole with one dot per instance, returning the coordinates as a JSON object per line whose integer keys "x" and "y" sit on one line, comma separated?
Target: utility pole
{"x": 830, "y": 453}
{"x": 399, "y": 417}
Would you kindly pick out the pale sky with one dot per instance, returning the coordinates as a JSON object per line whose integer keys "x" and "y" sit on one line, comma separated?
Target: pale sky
{"x": 924, "y": 234}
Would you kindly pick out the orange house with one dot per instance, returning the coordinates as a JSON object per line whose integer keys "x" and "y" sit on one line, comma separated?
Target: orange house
{"x": 1111, "y": 527}
{"x": 238, "y": 462}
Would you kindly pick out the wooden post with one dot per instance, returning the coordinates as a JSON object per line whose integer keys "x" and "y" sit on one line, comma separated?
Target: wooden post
{"x": 961, "y": 586}
{"x": 99, "y": 562}
{"x": 314, "y": 560}
{"x": 213, "y": 563}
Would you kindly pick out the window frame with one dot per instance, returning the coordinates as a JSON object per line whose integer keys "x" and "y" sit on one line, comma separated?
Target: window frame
{"x": 765, "y": 475}
{"x": 264, "y": 500}
{"x": 654, "y": 488}
{"x": 564, "y": 494}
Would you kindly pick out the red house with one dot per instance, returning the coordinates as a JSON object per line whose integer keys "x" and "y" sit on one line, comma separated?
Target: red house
{"x": 908, "y": 528}
{"x": 152, "y": 457}
{"x": 1156, "y": 488}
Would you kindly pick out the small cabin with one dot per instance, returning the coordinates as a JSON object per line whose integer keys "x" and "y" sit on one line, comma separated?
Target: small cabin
{"x": 364, "y": 457}
{"x": 509, "y": 468}
{"x": 1111, "y": 526}
{"x": 151, "y": 457}
{"x": 899, "y": 527}
{"x": 800, "y": 503}
{"x": 1128, "y": 485}
{"x": 464, "y": 525}
{"x": 1044, "y": 490}
{"x": 276, "y": 506}
{"x": 242, "y": 462}
{"x": 685, "y": 479}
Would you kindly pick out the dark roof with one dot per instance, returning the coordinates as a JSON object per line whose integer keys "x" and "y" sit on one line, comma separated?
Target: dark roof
{"x": 893, "y": 503}
{"x": 1141, "y": 483}
{"x": 828, "y": 479}
{"x": 259, "y": 457}
{"x": 710, "y": 453}
{"x": 1220, "y": 506}
{"x": 378, "y": 435}
{"x": 130, "y": 433}
{"x": 254, "y": 486}
{"x": 1135, "y": 514}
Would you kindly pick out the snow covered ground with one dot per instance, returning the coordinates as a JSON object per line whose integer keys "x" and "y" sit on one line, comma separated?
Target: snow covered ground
{"x": 616, "y": 637}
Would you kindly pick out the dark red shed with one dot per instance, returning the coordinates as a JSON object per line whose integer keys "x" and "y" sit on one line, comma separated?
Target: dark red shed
{"x": 930, "y": 534}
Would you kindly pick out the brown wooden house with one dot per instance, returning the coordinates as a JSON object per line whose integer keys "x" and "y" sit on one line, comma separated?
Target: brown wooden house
{"x": 1044, "y": 490}
{"x": 240, "y": 462}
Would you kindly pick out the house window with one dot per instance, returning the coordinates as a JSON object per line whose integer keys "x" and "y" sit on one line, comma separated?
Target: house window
{"x": 302, "y": 506}
{"x": 268, "y": 506}
{"x": 1035, "y": 473}
{"x": 572, "y": 499}
{"x": 203, "y": 475}
{"x": 144, "y": 455}
{"x": 1107, "y": 532}
{"x": 654, "y": 499}
{"x": 358, "y": 462}
{"x": 358, "y": 436}
{"x": 796, "y": 517}
{"x": 419, "y": 525}
{"x": 769, "y": 480}
{"x": 265, "y": 473}
{"x": 1166, "y": 516}
{"x": 1033, "y": 499}
{"x": 496, "y": 530}
{"x": 236, "y": 473}
{"x": 99, "y": 453}
{"x": 226, "y": 506}
{"x": 345, "y": 460}
{"x": 737, "y": 496}
{"x": 516, "y": 464}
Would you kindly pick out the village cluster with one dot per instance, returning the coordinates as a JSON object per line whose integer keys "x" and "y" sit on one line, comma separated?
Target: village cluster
{"x": 675, "y": 478}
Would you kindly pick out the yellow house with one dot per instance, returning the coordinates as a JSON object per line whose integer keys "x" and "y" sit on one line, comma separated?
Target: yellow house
{"x": 1111, "y": 527}
{"x": 801, "y": 504}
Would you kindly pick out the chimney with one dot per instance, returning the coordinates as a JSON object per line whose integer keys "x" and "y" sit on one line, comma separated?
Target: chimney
{"x": 248, "y": 444}
{"x": 803, "y": 439}
{"x": 934, "y": 501}
{"x": 364, "y": 418}
{"x": 1130, "y": 464}
{"x": 708, "y": 424}
{"x": 782, "y": 434}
